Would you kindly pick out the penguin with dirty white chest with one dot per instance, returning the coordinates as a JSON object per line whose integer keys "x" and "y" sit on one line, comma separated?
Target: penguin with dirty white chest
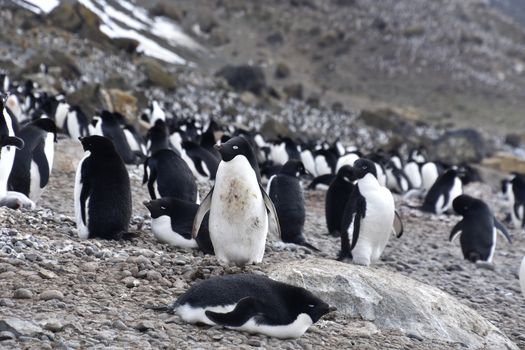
{"x": 369, "y": 218}
{"x": 238, "y": 206}
{"x": 102, "y": 191}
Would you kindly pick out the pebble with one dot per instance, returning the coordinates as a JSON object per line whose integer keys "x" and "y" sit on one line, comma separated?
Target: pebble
{"x": 51, "y": 294}
{"x": 118, "y": 324}
{"x": 143, "y": 326}
{"x": 54, "y": 326}
{"x": 6, "y": 335}
{"x": 23, "y": 293}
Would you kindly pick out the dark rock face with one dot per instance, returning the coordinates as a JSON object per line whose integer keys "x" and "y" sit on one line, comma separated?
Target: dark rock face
{"x": 53, "y": 58}
{"x": 167, "y": 9}
{"x": 387, "y": 120}
{"x": 294, "y": 91}
{"x": 244, "y": 78}
{"x": 458, "y": 146}
{"x": 158, "y": 76}
{"x": 282, "y": 71}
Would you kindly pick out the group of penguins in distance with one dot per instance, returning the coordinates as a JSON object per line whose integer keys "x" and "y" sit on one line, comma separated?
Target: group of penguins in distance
{"x": 232, "y": 221}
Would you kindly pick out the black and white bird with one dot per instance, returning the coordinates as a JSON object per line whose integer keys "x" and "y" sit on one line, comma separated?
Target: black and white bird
{"x": 445, "y": 189}
{"x": 172, "y": 221}
{"x": 102, "y": 191}
{"x": 336, "y": 198}
{"x": 477, "y": 230}
{"x": 32, "y": 166}
{"x": 238, "y": 205}
{"x": 251, "y": 303}
{"x": 514, "y": 191}
{"x": 369, "y": 218}
{"x": 286, "y": 193}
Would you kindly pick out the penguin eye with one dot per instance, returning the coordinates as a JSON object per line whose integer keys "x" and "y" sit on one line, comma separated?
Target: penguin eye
{"x": 311, "y": 305}
{"x": 162, "y": 208}
{"x": 235, "y": 147}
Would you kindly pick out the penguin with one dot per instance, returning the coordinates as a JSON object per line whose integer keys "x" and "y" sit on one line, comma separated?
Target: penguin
{"x": 321, "y": 182}
{"x": 284, "y": 150}
{"x": 76, "y": 124}
{"x": 397, "y": 180}
{"x": 135, "y": 141}
{"x": 522, "y": 275}
{"x": 369, "y": 217}
{"x": 477, "y": 230}
{"x": 443, "y": 192}
{"x": 325, "y": 162}
{"x": 202, "y": 163}
{"x": 5, "y": 83}
{"x": 238, "y": 206}
{"x": 347, "y": 159}
{"x": 413, "y": 173}
{"x": 32, "y": 165}
{"x": 9, "y": 143}
{"x": 286, "y": 193}
{"x": 251, "y": 303}
{"x": 336, "y": 198}
{"x": 514, "y": 190}
{"x": 167, "y": 175}
{"x": 110, "y": 126}
{"x": 307, "y": 158}
{"x": 429, "y": 174}
{"x": 102, "y": 193}
{"x": 172, "y": 221}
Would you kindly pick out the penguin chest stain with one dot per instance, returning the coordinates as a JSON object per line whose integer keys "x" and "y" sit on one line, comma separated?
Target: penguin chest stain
{"x": 239, "y": 200}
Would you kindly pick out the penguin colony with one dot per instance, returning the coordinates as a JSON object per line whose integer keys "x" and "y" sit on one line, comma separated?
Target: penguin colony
{"x": 234, "y": 219}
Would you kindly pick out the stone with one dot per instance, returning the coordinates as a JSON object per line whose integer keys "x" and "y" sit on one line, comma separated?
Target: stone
{"x": 167, "y": 9}
{"x": 244, "y": 78}
{"x": 68, "y": 68}
{"x": 392, "y": 302}
{"x": 282, "y": 71}
{"x": 294, "y": 91}
{"x": 126, "y": 44}
{"x": 124, "y": 103}
{"x": 207, "y": 23}
{"x": 89, "y": 98}
{"x": 19, "y": 327}
{"x": 388, "y": 119}
{"x": 156, "y": 74}
{"x": 505, "y": 162}
{"x": 459, "y": 146}
{"x": 143, "y": 326}
{"x": 23, "y": 293}
{"x": 272, "y": 129}
{"x": 51, "y": 294}
{"x": 6, "y": 335}
{"x": 54, "y": 326}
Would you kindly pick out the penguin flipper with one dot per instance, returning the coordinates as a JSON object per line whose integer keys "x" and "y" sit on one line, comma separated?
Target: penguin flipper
{"x": 360, "y": 213}
{"x": 502, "y": 230}
{"x": 456, "y": 231}
{"x": 204, "y": 207}
{"x": 397, "y": 229}
{"x": 39, "y": 157}
{"x": 145, "y": 178}
{"x": 271, "y": 209}
{"x": 245, "y": 309}
{"x": 84, "y": 194}
{"x": 12, "y": 141}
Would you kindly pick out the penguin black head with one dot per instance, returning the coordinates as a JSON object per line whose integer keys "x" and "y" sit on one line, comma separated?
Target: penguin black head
{"x": 293, "y": 167}
{"x": 97, "y": 144}
{"x": 6, "y": 140}
{"x": 464, "y": 203}
{"x": 235, "y": 146}
{"x": 310, "y": 304}
{"x": 48, "y": 125}
{"x": 363, "y": 166}
{"x": 158, "y": 207}
{"x": 345, "y": 173}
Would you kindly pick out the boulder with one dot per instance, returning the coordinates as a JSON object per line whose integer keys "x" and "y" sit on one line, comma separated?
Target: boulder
{"x": 458, "y": 146}
{"x": 294, "y": 91}
{"x": 20, "y": 327}
{"x": 167, "y": 9}
{"x": 505, "y": 162}
{"x": 244, "y": 78}
{"x": 124, "y": 103}
{"x": 156, "y": 74}
{"x": 282, "y": 71}
{"x": 126, "y": 44}
{"x": 65, "y": 64}
{"x": 271, "y": 129}
{"x": 90, "y": 98}
{"x": 392, "y": 302}
{"x": 389, "y": 119}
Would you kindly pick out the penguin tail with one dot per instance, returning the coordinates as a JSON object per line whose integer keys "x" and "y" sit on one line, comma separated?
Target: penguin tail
{"x": 308, "y": 245}
{"x": 345, "y": 256}
{"x": 473, "y": 257}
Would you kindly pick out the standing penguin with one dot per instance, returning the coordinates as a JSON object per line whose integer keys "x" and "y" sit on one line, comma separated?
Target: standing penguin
{"x": 167, "y": 175}
{"x": 102, "y": 191}
{"x": 8, "y": 144}
{"x": 369, "y": 217}
{"x": 514, "y": 191}
{"x": 252, "y": 303}
{"x": 172, "y": 221}
{"x": 286, "y": 193}
{"x": 444, "y": 190}
{"x": 111, "y": 128}
{"x": 337, "y": 196}
{"x": 478, "y": 229}
{"x": 33, "y": 163}
{"x": 237, "y": 204}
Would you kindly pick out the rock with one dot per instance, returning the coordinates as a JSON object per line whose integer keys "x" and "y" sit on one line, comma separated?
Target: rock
{"x": 124, "y": 103}
{"x": 167, "y": 9}
{"x": 388, "y": 119}
{"x": 156, "y": 74}
{"x": 282, "y": 71}
{"x": 513, "y": 140}
{"x": 272, "y": 128}
{"x": 89, "y": 97}
{"x": 505, "y": 162}
{"x": 54, "y": 326}
{"x": 207, "y": 23}
{"x": 294, "y": 91}
{"x": 244, "y": 78}
{"x": 275, "y": 39}
{"x": 51, "y": 294}
{"x": 143, "y": 326}
{"x": 19, "y": 327}
{"x": 248, "y": 98}
{"x": 458, "y": 146}
{"x": 6, "y": 335}
{"x": 65, "y": 63}
{"x": 23, "y": 293}
{"x": 313, "y": 101}
{"x": 392, "y": 302}
{"x": 126, "y": 44}
{"x": 413, "y": 31}
{"x": 218, "y": 37}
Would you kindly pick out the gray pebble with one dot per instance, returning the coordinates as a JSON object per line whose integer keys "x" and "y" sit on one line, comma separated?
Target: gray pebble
{"x": 51, "y": 294}
{"x": 23, "y": 293}
{"x": 6, "y": 335}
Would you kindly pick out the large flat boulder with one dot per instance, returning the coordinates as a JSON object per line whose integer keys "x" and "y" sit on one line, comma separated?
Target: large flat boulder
{"x": 393, "y": 302}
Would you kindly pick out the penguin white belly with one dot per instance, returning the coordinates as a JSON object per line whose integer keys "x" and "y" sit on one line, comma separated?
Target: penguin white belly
{"x": 457, "y": 190}
{"x": 162, "y": 230}
{"x": 321, "y": 166}
{"x": 192, "y": 314}
{"x": 83, "y": 231}
{"x": 522, "y": 276}
{"x": 348, "y": 159}
{"x": 308, "y": 160}
{"x": 61, "y": 114}
{"x": 381, "y": 176}
{"x": 412, "y": 172}
{"x": 191, "y": 165}
{"x": 493, "y": 247}
{"x": 7, "y": 156}
{"x": 73, "y": 127}
{"x": 292, "y": 330}
{"x": 238, "y": 222}
{"x": 49, "y": 150}
{"x": 34, "y": 182}
{"x": 132, "y": 142}
{"x": 376, "y": 226}
{"x": 429, "y": 175}
{"x": 278, "y": 154}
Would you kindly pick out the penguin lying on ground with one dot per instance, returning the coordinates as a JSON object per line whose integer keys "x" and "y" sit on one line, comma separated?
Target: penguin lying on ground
{"x": 102, "y": 191}
{"x": 478, "y": 229}
{"x": 369, "y": 217}
{"x": 442, "y": 193}
{"x": 238, "y": 205}
{"x": 251, "y": 303}
{"x": 286, "y": 193}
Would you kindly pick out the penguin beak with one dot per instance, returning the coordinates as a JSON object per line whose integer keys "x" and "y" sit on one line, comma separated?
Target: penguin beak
{"x": 217, "y": 146}
{"x": 80, "y": 138}
{"x": 332, "y": 309}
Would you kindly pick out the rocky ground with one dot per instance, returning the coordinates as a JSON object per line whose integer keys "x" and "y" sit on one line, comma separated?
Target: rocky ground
{"x": 80, "y": 294}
